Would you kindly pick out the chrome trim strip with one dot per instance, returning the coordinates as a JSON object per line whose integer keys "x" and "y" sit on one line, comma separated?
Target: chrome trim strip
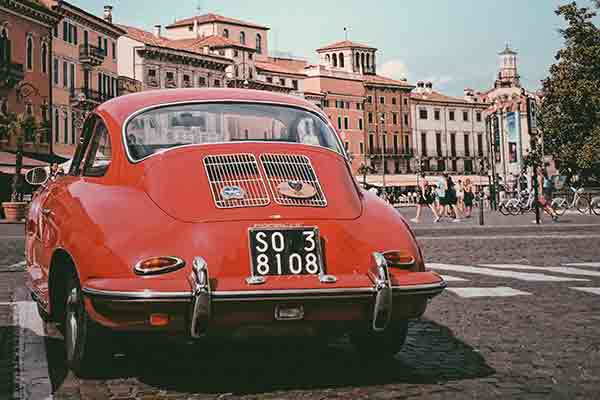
{"x": 293, "y": 297}
{"x": 341, "y": 146}
{"x": 201, "y": 310}
{"x": 425, "y": 289}
{"x": 145, "y": 294}
{"x": 297, "y": 292}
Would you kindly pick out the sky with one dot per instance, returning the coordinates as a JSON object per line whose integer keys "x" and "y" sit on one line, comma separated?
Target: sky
{"x": 453, "y": 44}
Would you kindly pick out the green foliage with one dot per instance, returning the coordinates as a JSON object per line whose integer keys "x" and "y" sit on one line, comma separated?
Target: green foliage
{"x": 570, "y": 112}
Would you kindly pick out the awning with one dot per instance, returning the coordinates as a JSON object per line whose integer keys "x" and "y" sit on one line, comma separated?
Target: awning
{"x": 8, "y": 160}
{"x": 411, "y": 179}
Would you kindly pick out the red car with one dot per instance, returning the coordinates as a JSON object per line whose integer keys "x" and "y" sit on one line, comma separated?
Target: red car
{"x": 216, "y": 213}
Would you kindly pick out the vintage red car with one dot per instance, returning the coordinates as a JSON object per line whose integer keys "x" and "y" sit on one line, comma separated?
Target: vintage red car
{"x": 218, "y": 213}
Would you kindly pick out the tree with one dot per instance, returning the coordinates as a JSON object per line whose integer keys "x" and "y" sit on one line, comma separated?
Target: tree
{"x": 570, "y": 113}
{"x": 17, "y": 127}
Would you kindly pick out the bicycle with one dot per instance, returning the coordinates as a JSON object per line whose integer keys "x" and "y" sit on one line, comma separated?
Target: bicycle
{"x": 502, "y": 207}
{"x": 595, "y": 205}
{"x": 522, "y": 204}
{"x": 582, "y": 204}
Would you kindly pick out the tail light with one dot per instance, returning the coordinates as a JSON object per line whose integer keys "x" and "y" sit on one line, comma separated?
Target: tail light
{"x": 399, "y": 259}
{"x": 158, "y": 265}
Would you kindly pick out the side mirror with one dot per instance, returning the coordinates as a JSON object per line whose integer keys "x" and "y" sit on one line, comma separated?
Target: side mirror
{"x": 37, "y": 176}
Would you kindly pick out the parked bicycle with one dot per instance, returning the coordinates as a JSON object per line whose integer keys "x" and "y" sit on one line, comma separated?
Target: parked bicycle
{"x": 524, "y": 202}
{"x": 595, "y": 205}
{"x": 580, "y": 202}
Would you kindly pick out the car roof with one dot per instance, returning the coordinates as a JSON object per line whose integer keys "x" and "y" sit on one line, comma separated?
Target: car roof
{"x": 120, "y": 108}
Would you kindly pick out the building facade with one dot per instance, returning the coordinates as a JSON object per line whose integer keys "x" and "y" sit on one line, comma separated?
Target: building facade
{"x": 449, "y": 132}
{"x": 25, "y": 69}
{"x": 84, "y": 69}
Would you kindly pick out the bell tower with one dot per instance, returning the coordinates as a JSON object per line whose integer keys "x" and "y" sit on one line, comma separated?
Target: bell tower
{"x": 508, "y": 76}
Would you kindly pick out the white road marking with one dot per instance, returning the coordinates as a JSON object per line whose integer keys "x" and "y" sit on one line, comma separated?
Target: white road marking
{"x": 586, "y": 264}
{"x": 449, "y": 278}
{"x": 33, "y": 362}
{"x": 499, "y": 291}
{"x": 560, "y": 270}
{"x": 531, "y": 277}
{"x": 539, "y": 236}
{"x": 592, "y": 290}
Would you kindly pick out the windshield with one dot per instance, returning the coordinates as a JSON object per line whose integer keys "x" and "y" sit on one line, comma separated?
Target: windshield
{"x": 202, "y": 123}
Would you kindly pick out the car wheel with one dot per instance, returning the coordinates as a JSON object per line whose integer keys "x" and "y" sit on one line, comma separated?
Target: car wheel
{"x": 583, "y": 205}
{"x": 378, "y": 345}
{"x": 85, "y": 342}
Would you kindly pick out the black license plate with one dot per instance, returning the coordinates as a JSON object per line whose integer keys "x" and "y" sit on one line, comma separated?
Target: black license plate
{"x": 286, "y": 251}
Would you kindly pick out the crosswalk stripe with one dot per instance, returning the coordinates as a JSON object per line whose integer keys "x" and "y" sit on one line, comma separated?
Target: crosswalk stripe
{"x": 449, "y": 278}
{"x": 560, "y": 270}
{"x": 592, "y": 290}
{"x": 499, "y": 291}
{"x": 531, "y": 277}
{"x": 586, "y": 264}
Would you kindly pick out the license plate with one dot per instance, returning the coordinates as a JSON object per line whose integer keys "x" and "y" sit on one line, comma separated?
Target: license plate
{"x": 286, "y": 251}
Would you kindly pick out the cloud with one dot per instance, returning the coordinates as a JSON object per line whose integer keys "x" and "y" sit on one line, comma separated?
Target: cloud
{"x": 441, "y": 80}
{"x": 395, "y": 69}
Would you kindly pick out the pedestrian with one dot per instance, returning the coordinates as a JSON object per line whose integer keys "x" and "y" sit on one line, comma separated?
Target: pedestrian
{"x": 460, "y": 196}
{"x": 440, "y": 193}
{"x": 451, "y": 197}
{"x": 545, "y": 189}
{"x": 468, "y": 198}
{"x": 425, "y": 199}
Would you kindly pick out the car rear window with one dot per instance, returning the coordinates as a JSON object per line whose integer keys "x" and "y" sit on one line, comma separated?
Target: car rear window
{"x": 203, "y": 123}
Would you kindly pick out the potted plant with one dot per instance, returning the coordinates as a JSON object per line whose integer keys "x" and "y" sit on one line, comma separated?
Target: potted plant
{"x": 16, "y": 127}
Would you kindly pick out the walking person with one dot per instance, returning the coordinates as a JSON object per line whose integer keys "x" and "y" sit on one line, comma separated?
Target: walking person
{"x": 460, "y": 193}
{"x": 545, "y": 189}
{"x": 425, "y": 199}
{"x": 440, "y": 194}
{"x": 451, "y": 197}
{"x": 468, "y": 198}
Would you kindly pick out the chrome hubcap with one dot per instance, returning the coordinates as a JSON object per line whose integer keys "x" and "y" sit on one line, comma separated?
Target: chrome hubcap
{"x": 71, "y": 323}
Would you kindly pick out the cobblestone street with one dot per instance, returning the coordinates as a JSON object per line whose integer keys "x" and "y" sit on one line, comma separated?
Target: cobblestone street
{"x": 520, "y": 319}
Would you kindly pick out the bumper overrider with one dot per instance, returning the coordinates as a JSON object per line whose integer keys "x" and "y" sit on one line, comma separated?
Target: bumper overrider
{"x": 388, "y": 297}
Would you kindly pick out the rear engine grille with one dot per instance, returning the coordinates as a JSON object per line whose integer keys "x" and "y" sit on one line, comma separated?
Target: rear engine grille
{"x": 235, "y": 181}
{"x": 280, "y": 168}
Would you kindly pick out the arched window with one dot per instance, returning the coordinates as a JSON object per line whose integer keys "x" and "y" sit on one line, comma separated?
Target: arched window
{"x": 334, "y": 60}
{"x": 341, "y": 59}
{"x": 236, "y": 71}
{"x": 242, "y": 37}
{"x": 258, "y": 43}
{"x": 29, "y": 56}
{"x": 328, "y": 58}
{"x": 44, "y": 58}
{"x": 357, "y": 61}
{"x": 368, "y": 61}
{"x": 226, "y": 33}
{"x": 362, "y": 61}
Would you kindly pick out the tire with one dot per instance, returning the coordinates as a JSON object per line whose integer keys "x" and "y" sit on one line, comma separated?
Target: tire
{"x": 559, "y": 206}
{"x": 381, "y": 345}
{"x": 513, "y": 207}
{"x": 86, "y": 347}
{"x": 595, "y": 205}
{"x": 503, "y": 209}
{"x": 583, "y": 205}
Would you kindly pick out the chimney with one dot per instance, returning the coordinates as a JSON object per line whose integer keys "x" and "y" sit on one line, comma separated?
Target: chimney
{"x": 420, "y": 86}
{"x": 157, "y": 30}
{"x": 108, "y": 13}
{"x": 469, "y": 96}
{"x": 428, "y": 87}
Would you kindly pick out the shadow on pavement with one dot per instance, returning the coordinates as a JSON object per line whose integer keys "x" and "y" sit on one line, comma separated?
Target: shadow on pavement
{"x": 432, "y": 354}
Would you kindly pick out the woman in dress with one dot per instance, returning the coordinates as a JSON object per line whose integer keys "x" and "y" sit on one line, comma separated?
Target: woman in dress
{"x": 425, "y": 199}
{"x": 451, "y": 197}
{"x": 468, "y": 198}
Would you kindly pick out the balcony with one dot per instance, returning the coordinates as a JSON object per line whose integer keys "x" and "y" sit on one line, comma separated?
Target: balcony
{"x": 91, "y": 55}
{"x": 389, "y": 153}
{"x": 87, "y": 98}
{"x": 10, "y": 73}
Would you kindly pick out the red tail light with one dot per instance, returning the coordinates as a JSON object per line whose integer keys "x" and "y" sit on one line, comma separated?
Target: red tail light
{"x": 158, "y": 265}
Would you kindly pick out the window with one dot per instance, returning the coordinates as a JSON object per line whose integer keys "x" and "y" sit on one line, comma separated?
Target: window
{"x": 66, "y": 130}
{"x": 394, "y": 118}
{"x": 348, "y": 105}
{"x": 436, "y": 115}
{"x": 217, "y": 83}
{"x": 105, "y": 46}
{"x": 438, "y": 143}
{"x": 362, "y": 147}
{"x": 258, "y": 43}
{"x": 405, "y": 101}
{"x": 29, "y": 54}
{"x": 369, "y": 99}
{"x": 406, "y": 119}
{"x": 341, "y": 59}
{"x": 406, "y": 145}
{"x": 187, "y": 81}
{"x": 269, "y": 79}
{"x": 226, "y": 33}
{"x": 454, "y": 165}
{"x": 72, "y": 78}
{"x": 56, "y": 127}
{"x": 99, "y": 42}
{"x": 65, "y": 74}
{"x": 55, "y": 31}
{"x": 467, "y": 146}
{"x": 441, "y": 165}
{"x": 201, "y": 81}
{"x": 468, "y": 166}
{"x": 334, "y": 58}
{"x": 86, "y": 37}
{"x": 325, "y": 102}
{"x": 478, "y": 116}
{"x": 370, "y": 117}
{"x": 295, "y": 84}
{"x": 360, "y": 106}
{"x": 75, "y": 38}
{"x": 423, "y": 144}
{"x": 395, "y": 144}
{"x": 242, "y": 37}
{"x": 55, "y": 72}
{"x": 346, "y": 123}
{"x": 114, "y": 50}
{"x": 65, "y": 26}
{"x": 394, "y": 100}
{"x": 382, "y": 118}
{"x": 339, "y": 123}
{"x": 250, "y": 56}
{"x": 360, "y": 124}
{"x": 371, "y": 143}
{"x": 190, "y": 28}
{"x": 422, "y": 113}
{"x": 99, "y": 154}
{"x": 453, "y": 144}
{"x": 465, "y": 116}
{"x": 480, "y": 145}
{"x": 381, "y": 100}
{"x": 451, "y": 115}
{"x": 44, "y": 58}
{"x": 282, "y": 81}
{"x": 236, "y": 53}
